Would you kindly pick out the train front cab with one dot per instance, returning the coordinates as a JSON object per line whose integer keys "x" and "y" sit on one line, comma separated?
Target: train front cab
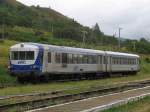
{"x": 26, "y": 60}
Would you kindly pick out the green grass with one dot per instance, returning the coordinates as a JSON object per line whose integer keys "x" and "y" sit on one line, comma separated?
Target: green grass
{"x": 137, "y": 106}
{"x": 71, "y": 87}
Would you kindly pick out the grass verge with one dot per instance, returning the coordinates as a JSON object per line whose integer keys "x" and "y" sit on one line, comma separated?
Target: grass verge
{"x": 137, "y": 106}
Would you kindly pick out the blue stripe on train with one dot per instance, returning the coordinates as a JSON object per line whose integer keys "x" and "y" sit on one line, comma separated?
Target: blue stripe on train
{"x": 36, "y": 67}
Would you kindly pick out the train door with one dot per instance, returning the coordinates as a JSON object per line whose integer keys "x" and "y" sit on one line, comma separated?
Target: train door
{"x": 110, "y": 64}
{"x": 105, "y": 60}
{"x": 100, "y": 63}
{"x": 64, "y": 60}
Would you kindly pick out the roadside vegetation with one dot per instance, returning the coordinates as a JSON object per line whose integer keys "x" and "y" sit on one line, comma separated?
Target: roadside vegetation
{"x": 5, "y": 78}
{"x": 137, "y": 106}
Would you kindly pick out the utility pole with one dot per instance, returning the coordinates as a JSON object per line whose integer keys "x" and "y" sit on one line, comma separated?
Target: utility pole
{"x": 52, "y": 30}
{"x": 114, "y": 34}
{"x": 84, "y": 35}
{"x": 134, "y": 46}
{"x": 119, "y": 41}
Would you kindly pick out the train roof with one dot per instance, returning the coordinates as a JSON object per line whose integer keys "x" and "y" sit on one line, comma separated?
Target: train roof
{"x": 71, "y": 49}
{"x": 68, "y": 49}
{"x": 122, "y": 54}
{"x": 17, "y": 47}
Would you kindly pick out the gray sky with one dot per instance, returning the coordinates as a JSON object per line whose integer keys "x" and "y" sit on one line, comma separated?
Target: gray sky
{"x": 132, "y": 15}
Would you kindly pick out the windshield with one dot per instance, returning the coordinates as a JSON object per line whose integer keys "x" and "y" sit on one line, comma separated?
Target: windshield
{"x": 22, "y": 55}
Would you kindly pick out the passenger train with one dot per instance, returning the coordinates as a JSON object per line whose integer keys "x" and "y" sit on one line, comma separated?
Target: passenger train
{"x": 35, "y": 59}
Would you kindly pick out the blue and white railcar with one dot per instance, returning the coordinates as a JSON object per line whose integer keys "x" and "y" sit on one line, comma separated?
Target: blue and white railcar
{"x": 41, "y": 59}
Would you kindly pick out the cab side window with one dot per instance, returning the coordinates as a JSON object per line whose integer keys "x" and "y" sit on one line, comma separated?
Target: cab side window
{"x": 49, "y": 57}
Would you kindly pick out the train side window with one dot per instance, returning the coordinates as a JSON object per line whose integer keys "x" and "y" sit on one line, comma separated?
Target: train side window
{"x": 49, "y": 57}
{"x": 64, "y": 58}
{"x": 112, "y": 60}
{"x": 92, "y": 60}
{"x": 105, "y": 59}
{"x": 75, "y": 58}
{"x": 89, "y": 59}
{"x": 84, "y": 59}
{"x": 80, "y": 59}
{"x": 130, "y": 61}
{"x": 115, "y": 61}
{"x": 125, "y": 61}
{"x": 95, "y": 61}
{"x": 100, "y": 59}
{"x": 58, "y": 57}
{"x": 120, "y": 61}
{"x": 70, "y": 59}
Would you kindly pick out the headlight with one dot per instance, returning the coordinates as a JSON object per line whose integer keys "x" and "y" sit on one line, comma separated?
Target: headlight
{"x": 35, "y": 67}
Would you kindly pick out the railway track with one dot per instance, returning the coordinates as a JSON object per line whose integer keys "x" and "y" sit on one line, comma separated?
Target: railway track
{"x": 37, "y": 100}
{"x": 100, "y": 103}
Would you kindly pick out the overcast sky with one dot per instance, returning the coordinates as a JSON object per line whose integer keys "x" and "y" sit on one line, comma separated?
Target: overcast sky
{"x": 131, "y": 15}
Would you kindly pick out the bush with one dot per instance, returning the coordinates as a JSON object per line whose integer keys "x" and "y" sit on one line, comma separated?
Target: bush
{"x": 5, "y": 78}
{"x": 1, "y": 40}
{"x": 147, "y": 60}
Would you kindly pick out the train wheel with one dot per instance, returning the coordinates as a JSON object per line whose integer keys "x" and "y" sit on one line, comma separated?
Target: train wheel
{"x": 21, "y": 79}
{"x": 44, "y": 78}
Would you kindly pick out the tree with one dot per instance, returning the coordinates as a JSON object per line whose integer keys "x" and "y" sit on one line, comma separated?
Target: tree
{"x": 143, "y": 40}
{"x": 97, "y": 30}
